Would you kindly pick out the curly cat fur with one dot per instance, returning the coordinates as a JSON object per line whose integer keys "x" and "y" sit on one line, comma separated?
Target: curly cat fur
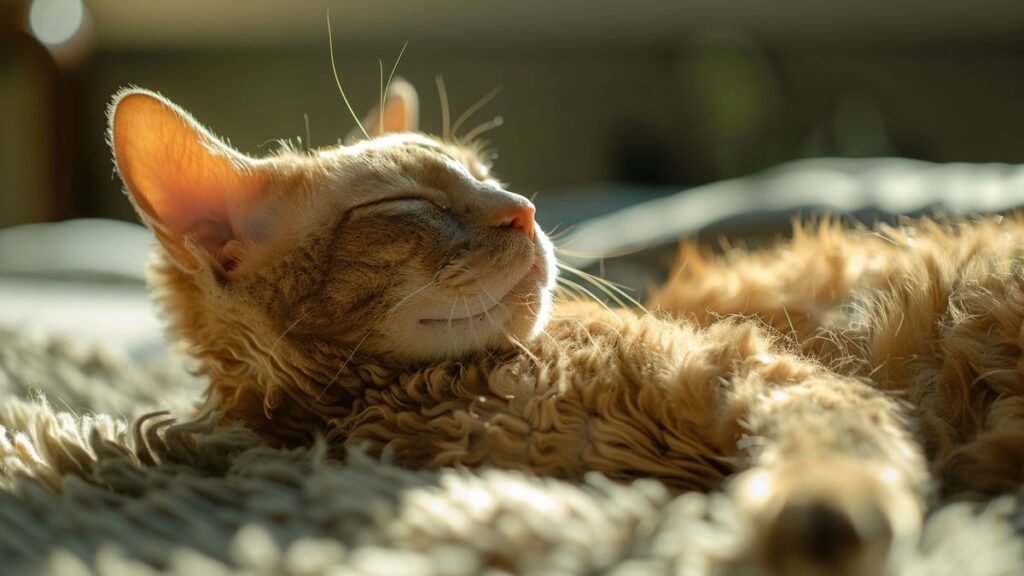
{"x": 631, "y": 396}
{"x": 929, "y": 311}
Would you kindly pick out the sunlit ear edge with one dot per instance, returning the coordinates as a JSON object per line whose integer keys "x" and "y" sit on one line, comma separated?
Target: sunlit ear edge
{"x": 182, "y": 247}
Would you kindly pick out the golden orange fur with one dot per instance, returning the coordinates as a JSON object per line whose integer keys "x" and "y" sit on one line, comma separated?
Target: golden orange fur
{"x": 930, "y": 313}
{"x": 832, "y": 376}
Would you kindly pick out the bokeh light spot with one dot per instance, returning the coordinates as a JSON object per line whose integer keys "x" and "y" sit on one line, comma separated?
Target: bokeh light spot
{"x": 55, "y": 21}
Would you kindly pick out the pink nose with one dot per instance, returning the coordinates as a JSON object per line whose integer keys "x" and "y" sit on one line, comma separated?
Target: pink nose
{"x": 517, "y": 217}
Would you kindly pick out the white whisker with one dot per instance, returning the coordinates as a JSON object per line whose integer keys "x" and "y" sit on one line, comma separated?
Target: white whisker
{"x": 387, "y": 87}
{"x": 380, "y": 113}
{"x": 451, "y": 314}
{"x": 289, "y": 329}
{"x": 337, "y": 80}
{"x": 469, "y": 322}
{"x": 442, "y": 94}
{"x": 609, "y": 288}
{"x": 406, "y": 298}
{"x": 486, "y": 126}
{"x": 343, "y": 366}
{"x": 472, "y": 109}
{"x": 504, "y": 331}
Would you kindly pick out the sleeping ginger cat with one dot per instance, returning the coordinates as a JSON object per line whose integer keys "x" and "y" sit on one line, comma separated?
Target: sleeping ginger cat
{"x": 392, "y": 293}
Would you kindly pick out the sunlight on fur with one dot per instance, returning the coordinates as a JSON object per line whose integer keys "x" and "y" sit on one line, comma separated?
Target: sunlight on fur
{"x": 391, "y": 293}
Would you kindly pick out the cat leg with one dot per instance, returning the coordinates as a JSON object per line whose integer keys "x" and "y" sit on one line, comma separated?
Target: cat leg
{"x": 836, "y": 483}
{"x": 795, "y": 287}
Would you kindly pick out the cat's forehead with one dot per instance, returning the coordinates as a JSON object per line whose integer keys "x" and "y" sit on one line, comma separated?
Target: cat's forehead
{"x": 394, "y": 165}
{"x": 404, "y": 157}
{"x": 409, "y": 144}
{"x": 397, "y": 141}
{"x": 421, "y": 147}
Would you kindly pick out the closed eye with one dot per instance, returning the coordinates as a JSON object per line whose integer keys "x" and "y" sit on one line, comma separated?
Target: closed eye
{"x": 400, "y": 202}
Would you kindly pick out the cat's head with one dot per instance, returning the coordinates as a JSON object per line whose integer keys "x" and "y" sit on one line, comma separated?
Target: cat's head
{"x": 401, "y": 246}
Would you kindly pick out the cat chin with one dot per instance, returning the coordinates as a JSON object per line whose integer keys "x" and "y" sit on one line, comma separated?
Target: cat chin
{"x": 520, "y": 314}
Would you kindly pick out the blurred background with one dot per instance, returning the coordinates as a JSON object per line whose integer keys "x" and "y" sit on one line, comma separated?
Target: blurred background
{"x": 647, "y": 92}
{"x": 605, "y": 103}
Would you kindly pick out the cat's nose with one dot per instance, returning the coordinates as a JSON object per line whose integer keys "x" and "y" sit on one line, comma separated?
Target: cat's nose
{"x": 518, "y": 216}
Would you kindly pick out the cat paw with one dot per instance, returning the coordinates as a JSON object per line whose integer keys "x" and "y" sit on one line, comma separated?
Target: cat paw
{"x": 836, "y": 517}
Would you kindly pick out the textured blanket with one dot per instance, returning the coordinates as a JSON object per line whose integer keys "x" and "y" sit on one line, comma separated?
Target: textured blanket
{"x": 104, "y": 469}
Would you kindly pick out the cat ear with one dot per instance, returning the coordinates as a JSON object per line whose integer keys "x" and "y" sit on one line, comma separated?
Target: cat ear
{"x": 196, "y": 193}
{"x": 401, "y": 112}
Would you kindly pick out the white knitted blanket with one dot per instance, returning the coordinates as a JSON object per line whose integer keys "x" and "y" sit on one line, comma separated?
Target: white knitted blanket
{"x": 97, "y": 476}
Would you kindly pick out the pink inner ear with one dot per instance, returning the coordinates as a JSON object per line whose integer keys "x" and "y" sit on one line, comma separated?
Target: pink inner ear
{"x": 187, "y": 184}
{"x": 396, "y": 116}
{"x": 401, "y": 111}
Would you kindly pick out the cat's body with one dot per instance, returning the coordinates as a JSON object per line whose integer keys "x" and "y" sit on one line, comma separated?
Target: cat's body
{"x": 822, "y": 372}
{"x": 931, "y": 314}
